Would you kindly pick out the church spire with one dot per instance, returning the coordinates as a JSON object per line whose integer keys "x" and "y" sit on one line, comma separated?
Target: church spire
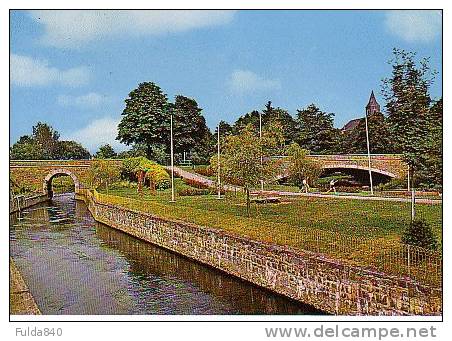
{"x": 373, "y": 106}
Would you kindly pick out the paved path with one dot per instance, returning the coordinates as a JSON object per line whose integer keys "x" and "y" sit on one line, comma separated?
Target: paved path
{"x": 194, "y": 176}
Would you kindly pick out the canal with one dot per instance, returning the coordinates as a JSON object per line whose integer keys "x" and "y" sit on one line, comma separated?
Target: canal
{"x": 74, "y": 265}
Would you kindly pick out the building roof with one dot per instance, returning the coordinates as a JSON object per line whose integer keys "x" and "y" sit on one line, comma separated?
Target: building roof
{"x": 351, "y": 124}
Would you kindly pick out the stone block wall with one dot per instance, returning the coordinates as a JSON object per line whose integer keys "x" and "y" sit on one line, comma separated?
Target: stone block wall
{"x": 326, "y": 284}
{"x": 22, "y": 202}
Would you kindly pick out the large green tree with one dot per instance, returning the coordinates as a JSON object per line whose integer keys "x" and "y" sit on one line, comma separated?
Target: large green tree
{"x": 146, "y": 118}
{"x": 283, "y": 118}
{"x": 46, "y": 139}
{"x": 191, "y": 133}
{"x": 105, "y": 151}
{"x": 71, "y": 150}
{"x": 355, "y": 142}
{"x": 44, "y": 144}
{"x": 413, "y": 119}
{"x": 316, "y": 132}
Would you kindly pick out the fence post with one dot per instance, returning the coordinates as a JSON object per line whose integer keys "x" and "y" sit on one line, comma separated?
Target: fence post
{"x": 409, "y": 259}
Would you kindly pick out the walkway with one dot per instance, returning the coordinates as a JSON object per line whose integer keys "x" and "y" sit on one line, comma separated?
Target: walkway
{"x": 197, "y": 177}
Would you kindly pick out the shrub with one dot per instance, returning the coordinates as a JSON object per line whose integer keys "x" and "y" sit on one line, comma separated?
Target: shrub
{"x": 194, "y": 191}
{"x": 393, "y": 184}
{"x": 419, "y": 233}
{"x": 196, "y": 183}
{"x": 155, "y": 174}
{"x": 204, "y": 170}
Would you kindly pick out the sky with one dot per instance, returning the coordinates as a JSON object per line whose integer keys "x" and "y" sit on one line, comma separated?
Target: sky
{"x": 74, "y": 69}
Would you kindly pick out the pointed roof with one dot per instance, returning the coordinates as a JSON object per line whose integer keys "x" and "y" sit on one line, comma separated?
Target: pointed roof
{"x": 372, "y": 100}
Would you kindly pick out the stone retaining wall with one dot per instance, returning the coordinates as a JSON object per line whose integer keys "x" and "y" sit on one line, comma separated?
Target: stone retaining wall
{"x": 23, "y": 202}
{"x": 326, "y": 284}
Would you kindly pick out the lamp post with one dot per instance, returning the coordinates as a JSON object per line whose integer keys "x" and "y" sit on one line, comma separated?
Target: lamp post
{"x": 368, "y": 158}
{"x": 172, "y": 160}
{"x": 260, "y": 138}
{"x": 218, "y": 162}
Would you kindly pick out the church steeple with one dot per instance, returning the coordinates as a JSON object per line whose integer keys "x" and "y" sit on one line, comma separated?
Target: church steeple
{"x": 373, "y": 106}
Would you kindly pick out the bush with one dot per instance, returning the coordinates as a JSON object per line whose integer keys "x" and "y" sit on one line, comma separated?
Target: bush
{"x": 204, "y": 170}
{"x": 193, "y": 191}
{"x": 393, "y": 184}
{"x": 419, "y": 233}
{"x": 155, "y": 173}
{"x": 196, "y": 183}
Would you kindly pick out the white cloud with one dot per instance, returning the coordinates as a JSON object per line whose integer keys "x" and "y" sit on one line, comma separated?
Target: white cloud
{"x": 26, "y": 71}
{"x": 244, "y": 81}
{"x": 90, "y": 100}
{"x": 98, "y": 132}
{"x": 414, "y": 25}
{"x": 74, "y": 28}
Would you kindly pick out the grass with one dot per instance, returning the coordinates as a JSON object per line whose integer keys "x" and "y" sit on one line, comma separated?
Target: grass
{"x": 369, "y": 219}
{"x": 360, "y": 233}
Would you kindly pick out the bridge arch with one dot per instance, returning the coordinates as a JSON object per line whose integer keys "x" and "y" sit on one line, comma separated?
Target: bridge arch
{"x": 373, "y": 170}
{"x": 47, "y": 183}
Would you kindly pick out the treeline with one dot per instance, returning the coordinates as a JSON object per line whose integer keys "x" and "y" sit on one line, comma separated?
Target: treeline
{"x": 44, "y": 144}
{"x": 411, "y": 125}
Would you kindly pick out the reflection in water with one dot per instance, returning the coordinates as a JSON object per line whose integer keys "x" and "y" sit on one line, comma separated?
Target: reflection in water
{"x": 74, "y": 265}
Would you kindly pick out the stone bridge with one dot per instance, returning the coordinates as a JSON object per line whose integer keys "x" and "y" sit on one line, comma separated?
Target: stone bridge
{"x": 390, "y": 165}
{"x": 383, "y": 165}
{"x": 38, "y": 174}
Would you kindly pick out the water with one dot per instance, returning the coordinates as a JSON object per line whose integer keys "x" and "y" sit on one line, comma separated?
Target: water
{"x": 74, "y": 265}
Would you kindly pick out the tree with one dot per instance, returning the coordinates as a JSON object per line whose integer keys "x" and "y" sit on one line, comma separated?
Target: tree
{"x": 301, "y": 167}
{"x": 419, "y": 233}
{"x": 191, "y": 133}
{"x": 411, "y": 119}
{"x": 316, "y": 132}
{"x": 355, "y": 142}
{"x": 140, "y": 169}
{"x": 101, "y": 174}
{"x": 283, "y": 118}
{"x": 251, "y": 118}
{"x": 146, "y": 118}
{"x": 44, "y": 144}
{"x": 71, "y": 150}
{"x": 46, "y": 139}
{"x": 240, "y": 160}
{"x": 105, "y": 152}
{"x": 25, "y": 149}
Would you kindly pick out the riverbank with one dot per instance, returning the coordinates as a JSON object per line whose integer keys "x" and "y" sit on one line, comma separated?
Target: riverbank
{"x": 329, "y": 285}
{"x": 21, "y": 202}
{"x": 21, "y": 302}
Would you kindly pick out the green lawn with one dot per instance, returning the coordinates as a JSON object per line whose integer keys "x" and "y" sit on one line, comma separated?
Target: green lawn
{"x": 369, "y": 219}
{"x": 359, "y": 232}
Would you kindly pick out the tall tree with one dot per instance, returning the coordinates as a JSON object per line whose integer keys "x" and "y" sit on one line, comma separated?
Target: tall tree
{"x": 191, "y": 133}
{"x": 283, "y": 118}
{"x": 408, "y": 106}
{"x": 354, "y": 140}
{"x": 105, "y": 152}
{"x": 25, "y": 148}
{"x": 71, "y": 150}
{"x": 46, "y": 139}
{"x": 44, "y": 144}
{"x": 316, "y": 132}
{"x": 146, "y": 118}
{"x": 251, "y": 118}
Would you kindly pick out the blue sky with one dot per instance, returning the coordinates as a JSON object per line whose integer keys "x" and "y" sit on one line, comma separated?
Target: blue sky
{"x": 73, "y": 69}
